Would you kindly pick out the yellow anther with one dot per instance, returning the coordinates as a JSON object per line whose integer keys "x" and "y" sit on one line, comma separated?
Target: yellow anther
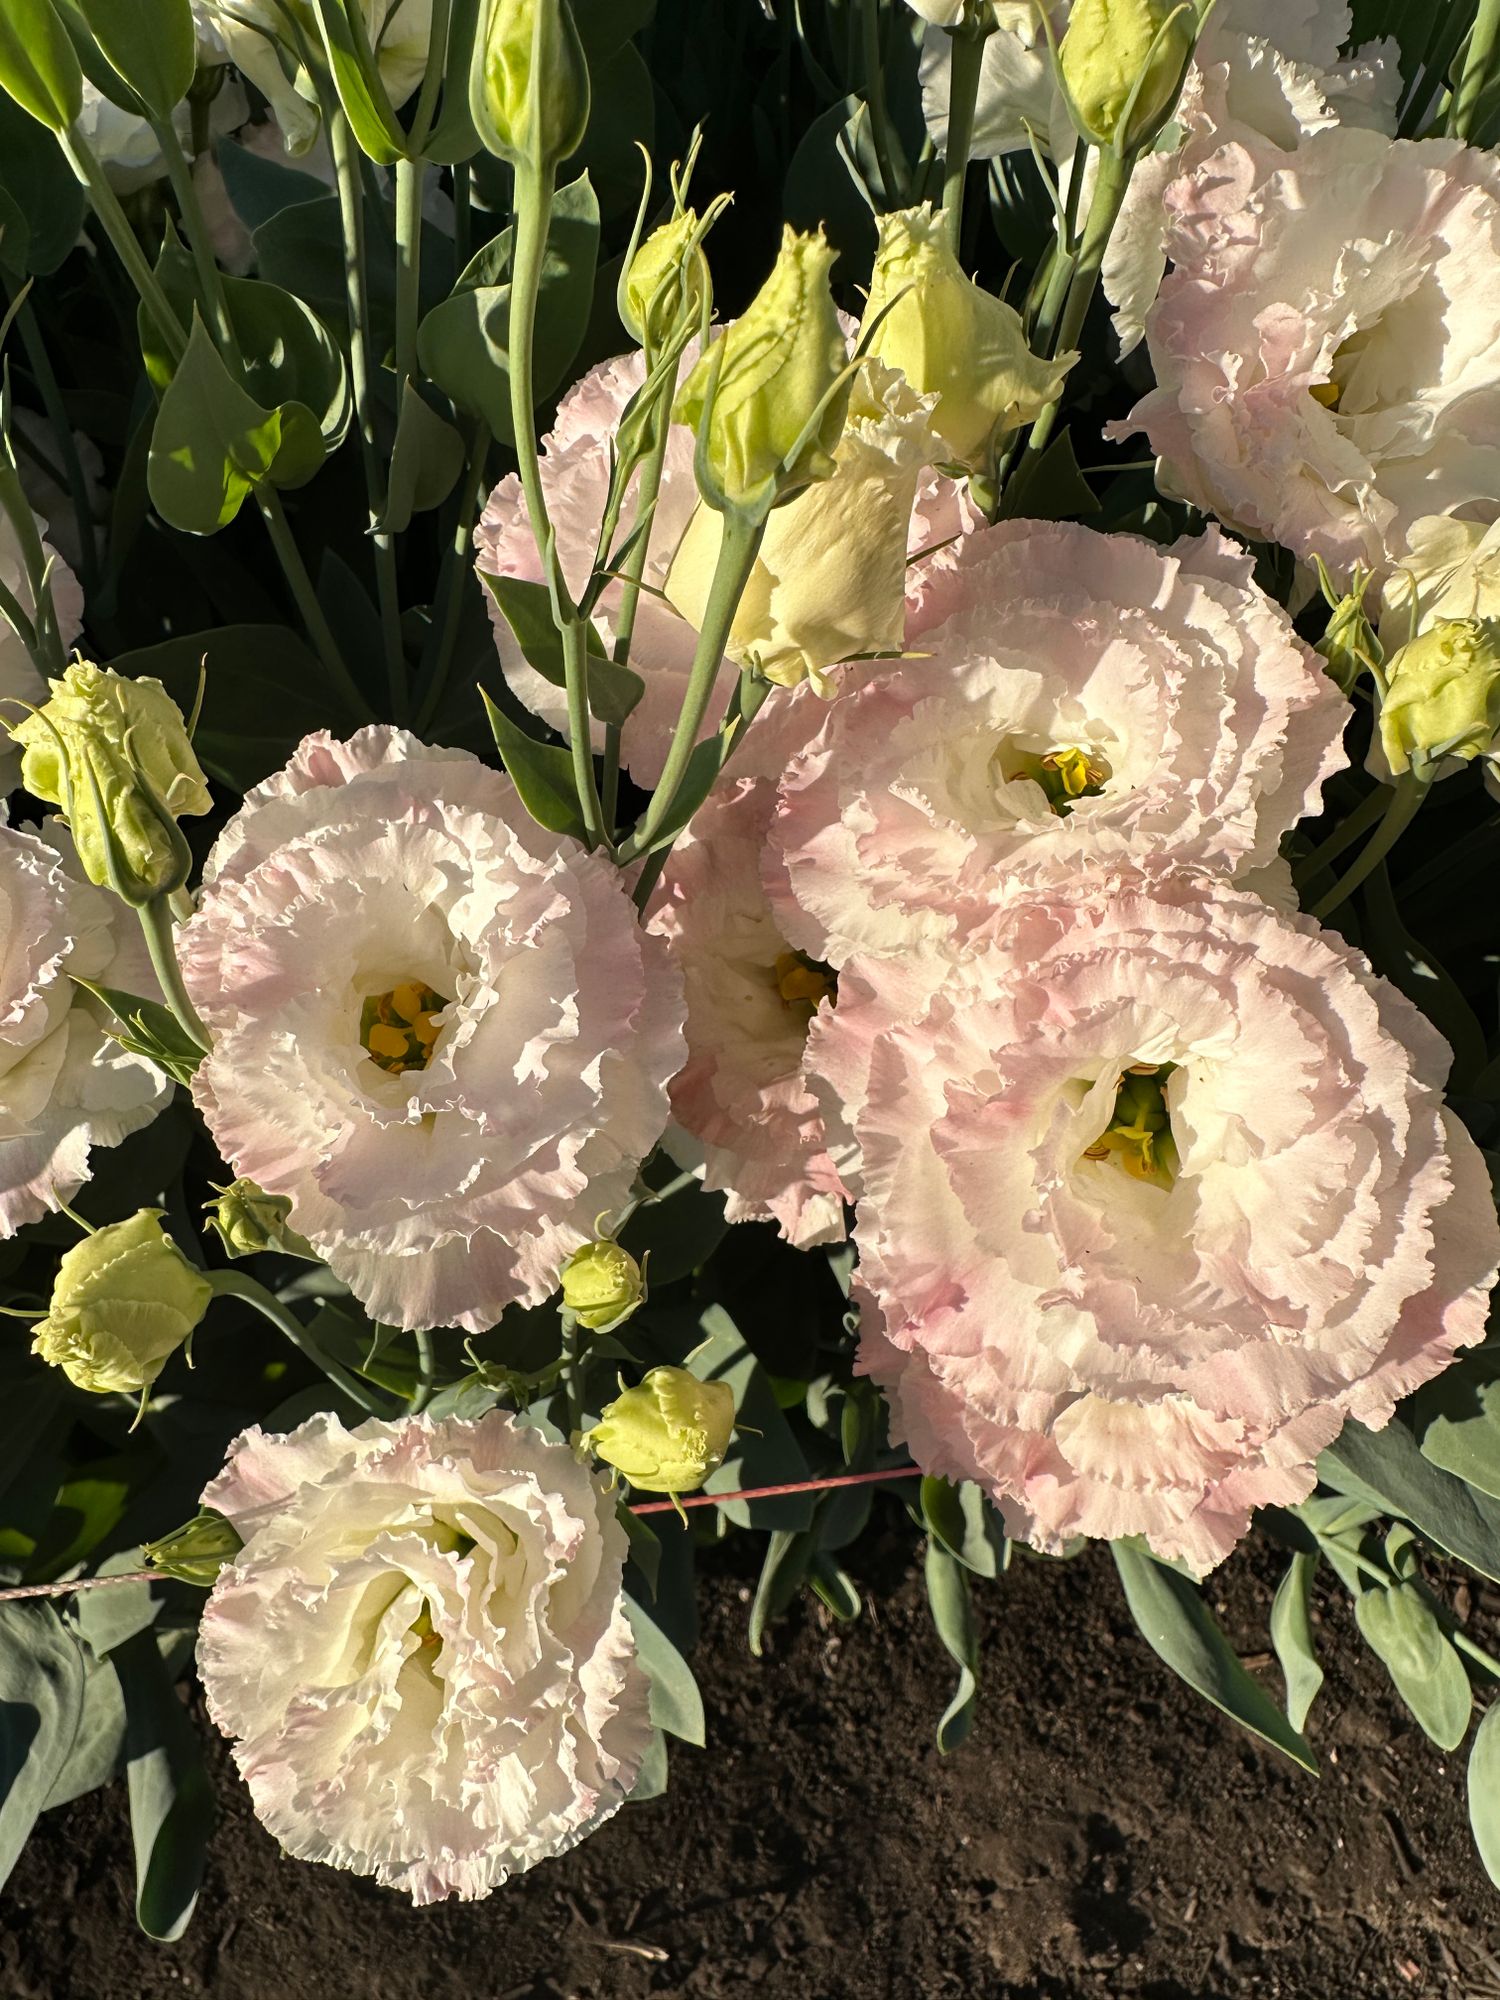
{"x": 799, "y": 982}
{"x": 1326, "y": 393}
{"x": 399, "y": 1027}
{"x": 390, "y": 1043}
{"x": 408, "y": 1000}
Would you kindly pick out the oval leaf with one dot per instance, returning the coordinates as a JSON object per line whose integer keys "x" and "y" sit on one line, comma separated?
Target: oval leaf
{"x": 1291, "y": 1635}
{"x": 1177, "y": 1623}
{"x": 152, "y": 43}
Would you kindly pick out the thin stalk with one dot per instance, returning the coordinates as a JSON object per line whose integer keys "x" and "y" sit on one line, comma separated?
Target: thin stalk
{"x": 45, "y": 377}
{"x": 631, "y": 572}
{"x": 531, "y": 212}
{"x": 235, "y": 1285}
{"x": 1400, "y": 812}
{"x": 432, "y": 80}
{"x": 965, "y": 59}
{"x": 773, "y": 1492}
{"x": 123, "y": 239}
{"x": 421, "y": 1395}
{"x": 156, "y": 923}
{"x": 301, "y": 586}
{"x": 874, "y": 70}
{"x": 361, "y": 372}
{"x": 453, "y": 575}
{"x": 1476, "y": 1653}
{"x": 408, "y": 266}
{"x": 1110, "y": 183}
{"x": 210, "y": 278}
{"x": 737, "y": 552}
{"x": 461, "y": 215}
{"x": 1370, "y": 810}
{"x": 571, "y": 1382}
{"x": 1479, "y": 63}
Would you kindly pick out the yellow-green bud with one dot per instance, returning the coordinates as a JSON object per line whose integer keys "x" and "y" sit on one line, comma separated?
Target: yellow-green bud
{"x": 953, "y": 340}
{"x": 602, "y": 1285}
{"x": 667, "y": 282}
{"x": 1442, "y": 695}
{"x": 529, "y": 83}
{"x": 776, "y": 366}
{"x": 107, "y": 742}
{"x": 196, "y": 1552}
{"x": 668, "y": 1434}
{"x": 124, "y": 1300}
{"x": 1348, "y": 644}
{"x": 248, "y": 1220}
{"x": 1110, "y": 46}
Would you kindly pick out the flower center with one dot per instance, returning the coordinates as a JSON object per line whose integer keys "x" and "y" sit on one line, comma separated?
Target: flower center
{"x": 803, "y": 982}
{"x": 1345, "y": 358}
{"x": 1065, "y": 775}
{"x": 1138, "y": 1136}
{"x": 399, "y": 1027}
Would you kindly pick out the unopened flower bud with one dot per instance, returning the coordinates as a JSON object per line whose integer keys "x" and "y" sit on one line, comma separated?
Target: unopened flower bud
{"x": 1348, "y": 644}
{"x": 1442, "y": 696}
{"x": 248, "y": 1221}
{"x": 124, "y": 1300}
{"x": 602, "y": 1285}
{"x": 114, "y": 754}
{"x": 775, "y": 414}
{"x": 529, "y": 84}
{"x": 667, "y": 282}
{"x": 953, "y": 340}
{"x": 1122, "y": 63}
{"x": 196, "y": 1552}
{"x": 668, "y": 1434}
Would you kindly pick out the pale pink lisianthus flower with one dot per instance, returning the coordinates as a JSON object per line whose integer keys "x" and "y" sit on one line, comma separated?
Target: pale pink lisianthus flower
{"x": 66, "y": 1085}
{"x": 743, "y": 1102}
{"x": 1327, "y": 344}
{"x": 438, "y": 1030}
{"x": 1158, "y": 1190}
{"x": 1076, "y": 700}
{"x": 421, "y": 1652}
{"x": 808, "y": 601}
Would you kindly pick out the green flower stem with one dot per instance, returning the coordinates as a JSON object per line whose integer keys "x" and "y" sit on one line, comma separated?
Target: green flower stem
{"x": 1110, "y": 183}
{"x": 1405, "y": 799}
{"x": 874, "y": 79}
{"x": 432, "y": 80}
{"x": 421, "y": 1395}
{"x": 1476, "y": 1653}
{"x": 235, "y": 1285}
{"x": 268, "y": 500}
{"x": 631, "y": 572}
{"x": 39, "y": 632}
{"x": 531, "y": 215}
{"x": 455, "y": 575}
{"x": 116, "y": 225}
{"x": 156, "y": 923}
{"x": 1479, "y": 65}
{"x": 461, "y": 214}
{"x": 737, "y": 552}
{"x": 965, "y": 60}
{"x": 408, "y": 267}
{"x": 572, "y": 1380}
{"x": 57, "y": 416}
{"x": 356, "y": 293}
{"x": 1370, "y": 810}
{"x": 210, "y": 278}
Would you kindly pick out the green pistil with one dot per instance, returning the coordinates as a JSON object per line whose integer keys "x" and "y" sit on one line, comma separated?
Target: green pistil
{"x": 1138, "y": 1136}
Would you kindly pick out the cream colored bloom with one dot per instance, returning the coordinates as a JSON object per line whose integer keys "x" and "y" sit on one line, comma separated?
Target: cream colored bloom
{"x": 829, "y": 582}
{"x": 421, "y": 1652}
{"x": 1441, "y": 705}
{"x": 260, "y": 44}
{"x": 953, "y": 340}
{"x": 66, "y": 1086}
{"x": 123, "y": 1302}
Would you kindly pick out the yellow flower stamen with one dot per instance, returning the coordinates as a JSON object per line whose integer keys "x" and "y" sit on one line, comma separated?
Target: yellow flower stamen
{"x": 400, "y": 1027}
{"x": 1065, "y": 775}
{"x": 1138, "y": 1136}
{"x": 802, "y": 982}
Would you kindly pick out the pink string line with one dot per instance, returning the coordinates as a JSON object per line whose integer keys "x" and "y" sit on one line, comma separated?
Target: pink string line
{"x": 646, "y": 1507}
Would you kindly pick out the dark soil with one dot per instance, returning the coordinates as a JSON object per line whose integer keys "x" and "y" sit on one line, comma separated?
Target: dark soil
{"x": 1102, "y": 1833}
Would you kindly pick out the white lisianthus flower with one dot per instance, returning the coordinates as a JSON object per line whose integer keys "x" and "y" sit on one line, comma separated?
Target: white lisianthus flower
{"x": 1075, "y": 700}
{"x": 19, "y": 680}
{"x": 438, "y": 1030}
{"x": 260, "y": 43}
{"x": 743, "y": 1101}
{"x": 796, "y": 609}
{"x": 1326, "y": 347}
{"x": 421, "y": 1652}
{"x": 1158, "y": 1189}
{"x": 66, "y": 1086}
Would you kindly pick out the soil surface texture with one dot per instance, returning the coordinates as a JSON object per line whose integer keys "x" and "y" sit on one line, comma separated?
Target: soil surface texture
{"x": 1103, "y": 1832}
